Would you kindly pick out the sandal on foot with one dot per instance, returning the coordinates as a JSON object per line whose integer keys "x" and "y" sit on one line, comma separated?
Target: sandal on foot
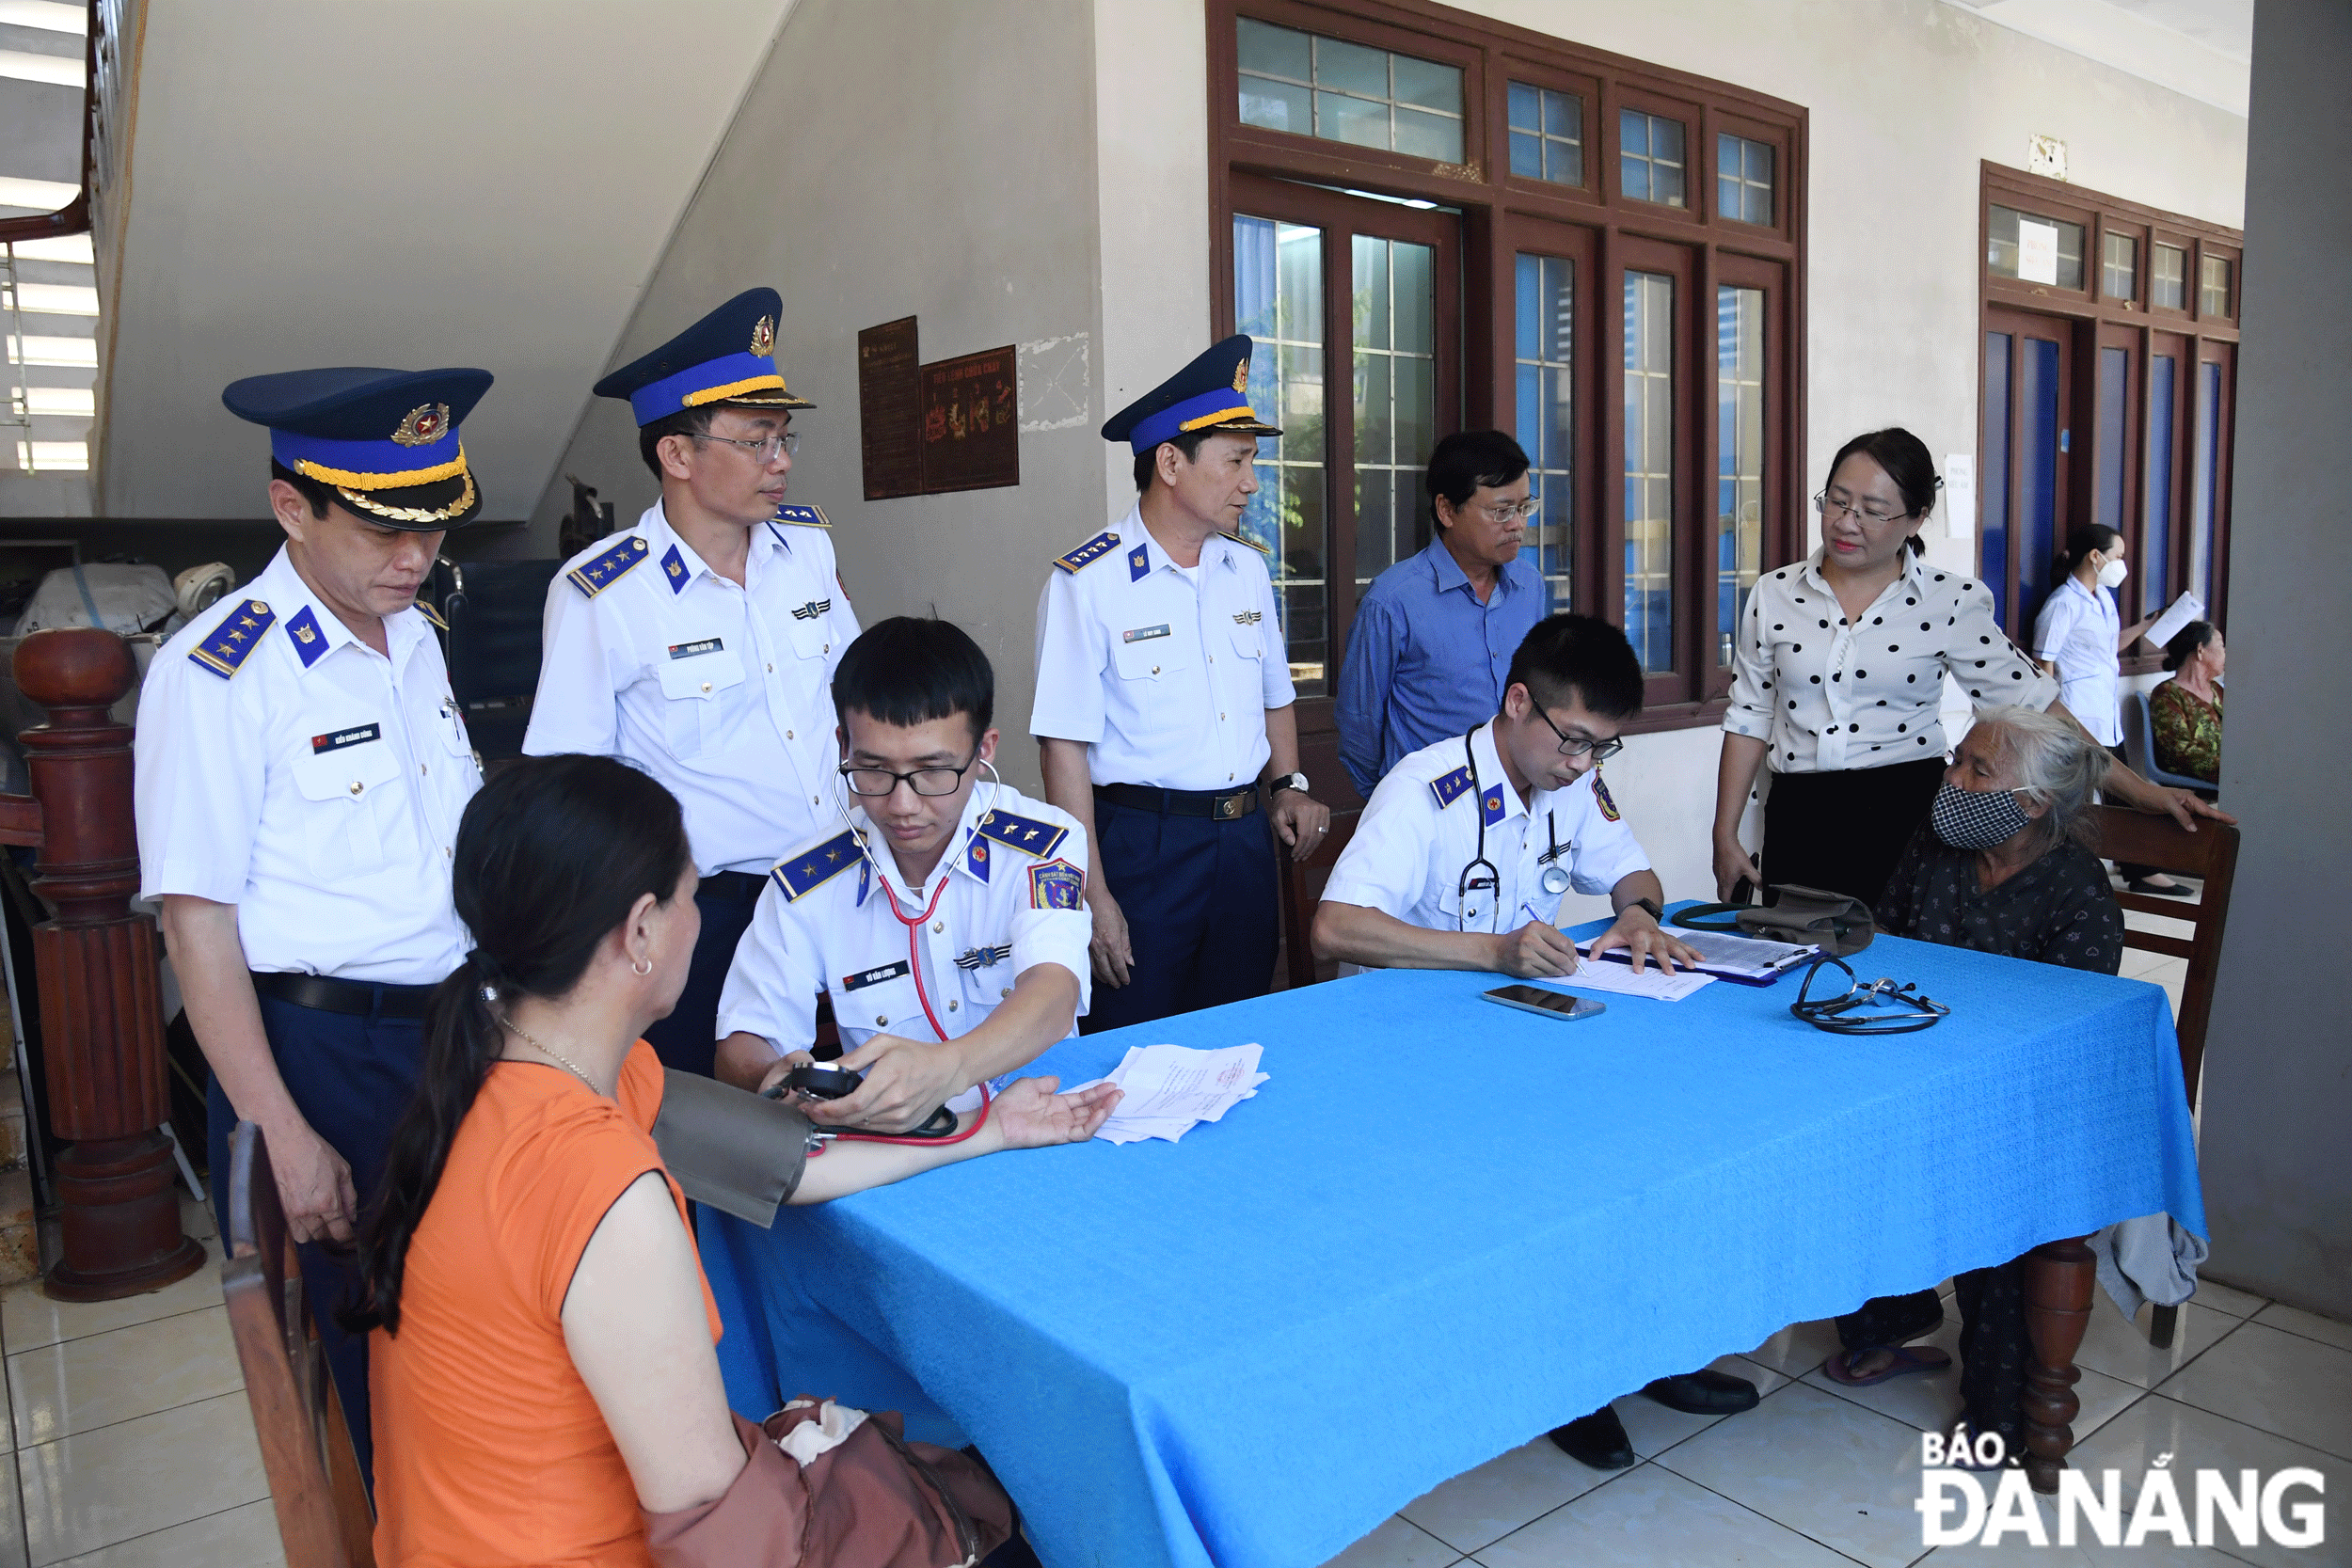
{"x": 1903, "y": 1359}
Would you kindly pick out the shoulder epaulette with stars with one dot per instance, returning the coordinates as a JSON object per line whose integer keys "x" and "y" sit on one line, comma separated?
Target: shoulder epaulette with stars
{"x": 811, "y": 868}
{"x": 592, "y": 578}
{"x": 1089, "y": 553}
{"x": 431, "y": 615}
{"x": 1022, "y": 832}
{"x": 1245, "y": 539}
{"x": 1449, "y": 788}
{"x": 806, "y": 517}
{"x": 223, "y": 652}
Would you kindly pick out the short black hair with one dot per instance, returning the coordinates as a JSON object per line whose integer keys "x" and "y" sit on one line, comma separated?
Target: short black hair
{"x": 1468, "y": 461}
{"x": 320, "y": 496}
{"x": 1148, "y": 463}
{"x": 1582, "y": 655}
{"x": 686, "y": 422}
{"x": 1905, "y": 459}
{"x": 911, "y": 670}
{"x": 2185, "y": 643}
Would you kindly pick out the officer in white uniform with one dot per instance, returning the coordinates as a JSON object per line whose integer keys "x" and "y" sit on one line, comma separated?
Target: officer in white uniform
{"x": 1465, "y": 851}
{"x": 301, "y": 769}
{"x": 1164, "y": 711}
{"x": 946, "y": 918}
{"x": 700, "y": 644}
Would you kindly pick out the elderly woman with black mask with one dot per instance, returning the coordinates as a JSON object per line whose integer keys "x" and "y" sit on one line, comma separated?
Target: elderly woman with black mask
{"x": 2001, "y": 866}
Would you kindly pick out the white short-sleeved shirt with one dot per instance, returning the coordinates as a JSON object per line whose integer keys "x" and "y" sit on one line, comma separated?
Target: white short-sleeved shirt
{"x": 1014, "y": 875}
{"x": 2077, "y": 630}
{"x": 1166, "y": 674}
{"x": 286, "y": 768}
{"x": 1418, "y": 833}
{"x": 1826, "y": 696}
{"x": 724, "y": 693}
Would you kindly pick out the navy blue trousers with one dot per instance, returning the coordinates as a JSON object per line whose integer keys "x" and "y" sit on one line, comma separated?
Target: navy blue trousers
{"x": 688, "y": 1039}
{"x": 349, "y": 1076}
{"x": 1200, "y": 897}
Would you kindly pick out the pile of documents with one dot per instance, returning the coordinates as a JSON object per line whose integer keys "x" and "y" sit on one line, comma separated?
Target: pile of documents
{"x": 1169, "y": 1089}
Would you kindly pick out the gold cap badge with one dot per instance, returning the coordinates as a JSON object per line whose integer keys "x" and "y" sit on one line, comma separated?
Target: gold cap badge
{"x": 423, "y": 426}
{"x": 1241, "y": 377}
{"x": 764, "y": 337}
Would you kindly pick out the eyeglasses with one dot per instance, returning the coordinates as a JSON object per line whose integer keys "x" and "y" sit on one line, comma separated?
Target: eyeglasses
{"x": 1576, "y": 745}
{"x": 1830, "y": 509}
{"x": 762, "y": 451}
{"x": 1507, "y": 510}
{"x": 875, "y": 782}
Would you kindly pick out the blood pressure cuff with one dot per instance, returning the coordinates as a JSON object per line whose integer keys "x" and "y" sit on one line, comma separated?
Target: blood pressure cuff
{"x": 729, "y": 1148}
{"x": 1807, "y": 916}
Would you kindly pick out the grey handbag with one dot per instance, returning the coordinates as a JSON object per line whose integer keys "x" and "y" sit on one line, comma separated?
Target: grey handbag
{"x": 1837, "y": 925}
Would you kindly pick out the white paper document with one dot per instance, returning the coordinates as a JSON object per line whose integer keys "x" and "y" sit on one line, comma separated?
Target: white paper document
{"x": 1168, "y": 1090}
{"x": 1616, "y": 979}
{"x": 2180, "y": 612}
{"x": 1727, "y": 953}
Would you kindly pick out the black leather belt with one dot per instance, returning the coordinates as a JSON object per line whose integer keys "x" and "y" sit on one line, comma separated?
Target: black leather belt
{"x": 1225, "y": 807}
{"x": 357, "y": 997}
{"x": 731, "y": 884}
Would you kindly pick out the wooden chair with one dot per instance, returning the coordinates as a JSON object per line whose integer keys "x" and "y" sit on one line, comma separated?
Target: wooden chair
{"x": 2211, "y": 852}
{"x": 323, "y": 1516}
{"x": 1302, "y": 890}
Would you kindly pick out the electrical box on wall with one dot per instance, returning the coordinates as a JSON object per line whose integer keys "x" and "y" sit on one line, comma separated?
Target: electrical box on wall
{"x": 2046, "y": 155}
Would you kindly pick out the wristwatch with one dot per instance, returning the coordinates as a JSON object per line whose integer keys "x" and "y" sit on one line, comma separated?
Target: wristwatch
{"x": 1287, "y": 781}
{"x": 1657, "y": 911}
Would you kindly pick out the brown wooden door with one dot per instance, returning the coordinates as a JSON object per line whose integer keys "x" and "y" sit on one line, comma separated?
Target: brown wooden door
{"x": 2028, "y": 442}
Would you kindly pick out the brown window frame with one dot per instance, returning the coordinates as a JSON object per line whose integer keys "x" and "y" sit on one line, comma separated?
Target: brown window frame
{"x": 2093, "y": 320}
{"x": 1500, "y": 214}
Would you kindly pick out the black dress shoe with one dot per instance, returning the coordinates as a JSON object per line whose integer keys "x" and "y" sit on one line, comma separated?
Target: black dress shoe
{"x": 1598, "y": 1440}
{"x": 1705, "y": 1392}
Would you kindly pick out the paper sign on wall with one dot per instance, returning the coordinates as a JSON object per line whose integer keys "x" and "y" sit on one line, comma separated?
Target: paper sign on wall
{"x": 2037, "y": 251}
{"x": 1959, "y": 495}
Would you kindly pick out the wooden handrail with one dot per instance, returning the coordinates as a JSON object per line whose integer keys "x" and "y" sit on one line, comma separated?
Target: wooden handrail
{"x": 74, "y": 216}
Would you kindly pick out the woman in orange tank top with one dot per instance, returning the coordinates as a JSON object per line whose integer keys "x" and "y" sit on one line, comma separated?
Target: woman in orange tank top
{"x": 541, "y": 1364}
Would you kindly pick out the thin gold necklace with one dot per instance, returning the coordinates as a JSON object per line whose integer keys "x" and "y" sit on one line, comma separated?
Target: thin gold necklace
{"x": 550, "y": 1051}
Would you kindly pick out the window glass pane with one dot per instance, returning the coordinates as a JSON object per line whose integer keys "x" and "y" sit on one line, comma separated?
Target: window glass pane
{"x": 2036, "y": 499}
{"x": 2201, "y": 483}
{"x": 1278, "y": 299}
{"x": 1744, "y": 179}
{"x": 2154, "y": 567}
{"x": 2168, "y": 282}
{"x": 1650, "y": 157}
{"x": 1545, "y": 299}
{"x": 2214, "y": 287}
{"x": 1740, "y": 439}
{"x": 1649, "y": 468}
{"x": 2119, "y": 274}
{"x": 1395, "y": 399}
{"x": 1271, "y": 51}
{"x": 1311, "y": 86}
{"x": 2001, "y": 246}
{"x": 2115, "y": 373}
{"x": 1993, "y": 482}
{"x": 1547, "y": 135}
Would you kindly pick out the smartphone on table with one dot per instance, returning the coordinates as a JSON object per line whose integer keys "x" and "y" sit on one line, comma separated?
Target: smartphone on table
{"x": 1552, "y": 1004}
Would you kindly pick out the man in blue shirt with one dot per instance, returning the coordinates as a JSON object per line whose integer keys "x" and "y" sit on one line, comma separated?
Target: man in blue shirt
{"x": 1433, "y": 635}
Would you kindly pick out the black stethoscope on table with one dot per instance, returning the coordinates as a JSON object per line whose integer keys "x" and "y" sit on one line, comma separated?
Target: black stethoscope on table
{"x": 1554, "y": 881}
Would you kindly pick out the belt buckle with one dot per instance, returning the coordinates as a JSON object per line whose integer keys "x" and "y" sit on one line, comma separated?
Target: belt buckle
{"x": 1227, "y": 808}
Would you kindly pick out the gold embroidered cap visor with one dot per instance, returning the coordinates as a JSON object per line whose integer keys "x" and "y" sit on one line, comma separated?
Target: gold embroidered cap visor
{"x": 444, "y": 503}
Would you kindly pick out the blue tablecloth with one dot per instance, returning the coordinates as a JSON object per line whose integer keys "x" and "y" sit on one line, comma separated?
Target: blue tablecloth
{"x": 1441, "y": 1228}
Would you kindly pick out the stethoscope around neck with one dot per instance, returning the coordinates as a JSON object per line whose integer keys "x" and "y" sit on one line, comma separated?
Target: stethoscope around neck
{"x": 1554, "y": 878}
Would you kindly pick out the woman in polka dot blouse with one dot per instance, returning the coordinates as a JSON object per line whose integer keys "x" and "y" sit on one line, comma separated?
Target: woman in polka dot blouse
{"x": 1838, "y": 679}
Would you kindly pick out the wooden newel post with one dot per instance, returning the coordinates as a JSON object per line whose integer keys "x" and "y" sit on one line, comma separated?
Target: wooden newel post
{"x": 100, "y": 992}
{"x": 2059, "y": 1276}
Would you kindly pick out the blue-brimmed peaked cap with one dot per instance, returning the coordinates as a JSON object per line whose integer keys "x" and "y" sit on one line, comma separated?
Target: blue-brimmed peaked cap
{"x": 727, "y": 358}
{"x": 1210, "y": 395}
{"x": 386, "y": 441}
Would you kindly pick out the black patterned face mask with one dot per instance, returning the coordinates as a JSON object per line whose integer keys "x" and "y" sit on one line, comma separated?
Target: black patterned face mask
{"x": 1977, "y": 818}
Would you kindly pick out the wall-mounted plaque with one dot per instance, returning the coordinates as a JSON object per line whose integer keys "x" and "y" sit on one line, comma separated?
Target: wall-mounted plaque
{"x": 890, "y": 409}
{"x": 971, "y": 422}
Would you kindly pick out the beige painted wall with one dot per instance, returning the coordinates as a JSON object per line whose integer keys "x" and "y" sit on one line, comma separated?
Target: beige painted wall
{"x": 927, "y": 158}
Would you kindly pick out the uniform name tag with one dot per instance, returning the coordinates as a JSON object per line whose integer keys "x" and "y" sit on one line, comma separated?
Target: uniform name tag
{"x": 337, "y": 739}
{"x": 876, "y": 976}
{"x": 688, "y": 650}
{"x": 1144, "y": 634}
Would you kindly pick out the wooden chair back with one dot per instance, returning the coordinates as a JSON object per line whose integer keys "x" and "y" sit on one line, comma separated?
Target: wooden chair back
{"x": 1302, "y": 890}
{"x": 2141, "y": 838}
{"x": 323, "y": 1516}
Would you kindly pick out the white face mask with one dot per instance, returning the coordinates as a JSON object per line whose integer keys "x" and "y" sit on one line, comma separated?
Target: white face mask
{"x": 2113, "y": 573}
